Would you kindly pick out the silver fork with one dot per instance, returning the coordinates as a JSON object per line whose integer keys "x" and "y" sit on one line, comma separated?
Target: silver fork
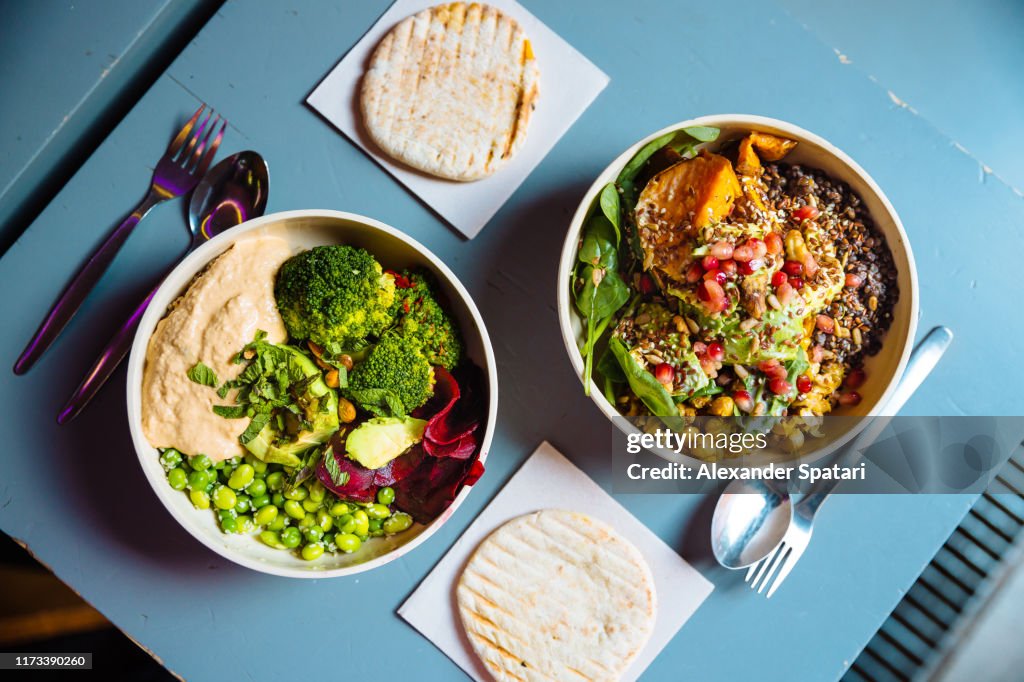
{"x": 177, "y": 172}
{"x": 774, "y": 569}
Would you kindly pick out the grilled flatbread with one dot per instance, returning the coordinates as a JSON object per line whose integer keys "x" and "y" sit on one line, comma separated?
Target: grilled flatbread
{"x": 450, "y": 90}
{"x": 556, "y": 595}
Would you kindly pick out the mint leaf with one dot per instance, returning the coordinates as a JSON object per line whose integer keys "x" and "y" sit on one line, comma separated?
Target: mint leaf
{"x": 203, "y": 375}
{"x": 259, "y": 420}
{"x": 229, "y": 411}
{"x": 338, "y": 477}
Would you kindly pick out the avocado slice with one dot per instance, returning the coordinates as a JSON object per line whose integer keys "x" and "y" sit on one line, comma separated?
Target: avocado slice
{"x": 270, "y": 447}
{"x": 377, "y": 441}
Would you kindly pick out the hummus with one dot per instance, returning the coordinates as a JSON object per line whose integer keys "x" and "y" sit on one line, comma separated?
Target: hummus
{"x": 220, "y": 313}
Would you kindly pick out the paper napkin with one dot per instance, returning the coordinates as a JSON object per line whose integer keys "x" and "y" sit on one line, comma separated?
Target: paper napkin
{"x": 568, "y": 84}
{"x": 548, "y": 480}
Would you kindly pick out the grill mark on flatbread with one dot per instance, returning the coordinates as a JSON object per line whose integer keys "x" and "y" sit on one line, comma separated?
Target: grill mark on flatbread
{"x": 498, "y": 569}
{"x": 567, "y": 552}
{"x": 504, "y": 653}
{"x": 449, "y": 91}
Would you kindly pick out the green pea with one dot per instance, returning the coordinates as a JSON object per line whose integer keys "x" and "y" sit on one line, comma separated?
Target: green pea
{"x": 245, "y": 524}
{"x": 170, "y": 459}
{"x": 324, "y": 520}
{"x": 375, "y": 525}
{"x": 294, "y": 509}
{"x": 317, "y": 491}
{"x": 198, "y": 480}
{"x": 257, "y": 487}
{"x": 275, "y": 481}
{"x": 362, "y": 522}
{"x": 347, "y": 542}
{"x": 272, "y": 539}
{"x": 278, "y": 500}
{"x": 386, "y": 495}
{"x": 312, "y": 551}
{"x": 299, "y": 493}
{"x": 261, "y": 501}
{"x": 244, "y": 503}
{"x": 224, "y": 497}
{"x": 279, "y": 523}
{"x": 265, "y": 515}
{"x": 242, "y": 476}
{"x": 398, "y": 522}
{"x": 310, "y": 505}
{"x": 339, "y": 509}
{"x": 200, "y": 500}
{"x": 200, "y": 463}
{"x": 291, "y": 537}
{"x": 313, "y": 534}
{"x": 177, "y": 478}
{"x": 378, "y": 511}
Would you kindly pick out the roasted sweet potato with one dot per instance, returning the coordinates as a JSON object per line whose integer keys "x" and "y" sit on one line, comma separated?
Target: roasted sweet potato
{"x": 698, "y": 191}
{"x": 756, "y": 147}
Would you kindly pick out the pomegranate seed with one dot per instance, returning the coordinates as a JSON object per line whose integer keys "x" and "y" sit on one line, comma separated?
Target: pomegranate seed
{"x": 665, "y": 374}
{"x": 825, "y": 323}
{"x": 759, "y": 247}
{"x": 849, "y": 398}
{"x": 803, "y": 383}
{"x": 773, "y": 369}
{"x": 702, "y": 292}
{"x": 750, "y": 266}
{"x": 778, "y": 278}
{"x": 646, "y": 284}
{"x": 779, "y": 386}
{"x": 773, "y": 242}
{"x": 855, "y": 379}
{"x": 700, "y": 348}
{"x": 806, "y": 213}
{"x": 709, "y": 263}
{"x": 853, "y": 281}
{"x": 796, "y": 283}
{"x": 721, "y": 250}
{"x": 709, "y": 366}
{"x": 694, "y": 273}
{"x": 810, "y": 265}
{"x": 817, "y": 354}
{"x": 729, "y": 267}
{"x": 716, "y": 351}
{"x": 743, "y": 400}
{"x": 743, "y": 253}
{"x": 716, "y": 275}
{"x": 793, "y": 268}
{"x": 716, "y": 299}
{"x": 785, "y": 293}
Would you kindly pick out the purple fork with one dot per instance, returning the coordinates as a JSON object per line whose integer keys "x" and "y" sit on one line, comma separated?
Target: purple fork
{"x": 177, "y": 172}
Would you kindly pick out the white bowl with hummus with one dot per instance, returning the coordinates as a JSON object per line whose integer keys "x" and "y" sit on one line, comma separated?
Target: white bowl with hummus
{"x": 223, "y": 312}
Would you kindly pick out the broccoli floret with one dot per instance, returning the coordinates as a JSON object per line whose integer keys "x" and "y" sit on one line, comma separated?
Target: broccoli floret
{"x": 334, "y": 295}
{"x": 422, "y": 319}
{"x": 395, "y": 378}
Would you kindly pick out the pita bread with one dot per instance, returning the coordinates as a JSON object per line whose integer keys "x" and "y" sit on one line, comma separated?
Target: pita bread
{"x": 556, "y": 595}
{"x": 450, "y": 90}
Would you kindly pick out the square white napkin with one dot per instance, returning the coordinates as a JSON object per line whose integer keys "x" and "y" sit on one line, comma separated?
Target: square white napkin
{"x": 568, "y": 84}
{"x": 548, "y": 480}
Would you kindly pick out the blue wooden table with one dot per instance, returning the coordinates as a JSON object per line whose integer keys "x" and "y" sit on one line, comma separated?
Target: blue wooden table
{"x": 76, "y": 498}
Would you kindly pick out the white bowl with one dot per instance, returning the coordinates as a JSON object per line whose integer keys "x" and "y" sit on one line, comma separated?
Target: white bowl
{"x": 884, "y": 369}
{"x": 306, "y": 229}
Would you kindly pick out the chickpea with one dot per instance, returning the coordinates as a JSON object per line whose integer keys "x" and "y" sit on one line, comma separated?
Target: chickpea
{"x": 722, "y": 406}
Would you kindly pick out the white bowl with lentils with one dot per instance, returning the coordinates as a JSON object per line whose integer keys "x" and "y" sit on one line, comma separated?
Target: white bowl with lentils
{"x": 736, "y": 265}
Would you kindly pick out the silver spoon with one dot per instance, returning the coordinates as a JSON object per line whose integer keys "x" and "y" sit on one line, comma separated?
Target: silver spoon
{"x": 235, "y": 190}
{"x": 752, "y": 516}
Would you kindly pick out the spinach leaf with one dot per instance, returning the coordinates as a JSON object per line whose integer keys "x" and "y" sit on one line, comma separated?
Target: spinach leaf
{"x": 203, "y": 375}
{"x": 642, "y": 382}
{"x": 629, "y": 172}
{"x": 702, "y": 133}
{"x": 598, "y": 246}
{"x": 609, "y": 367}
{"x": 610, "y": 208}
{"x": 604, "y": 292}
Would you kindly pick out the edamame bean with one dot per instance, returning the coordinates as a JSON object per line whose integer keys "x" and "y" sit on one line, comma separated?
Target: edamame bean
{"x": 224, "y": 497}
{"x": 271, "y": 539}
{"x": 374, "y": 525}
{"x": 313, "y": 534}
{"x": 294, "y": 509}
{"x": 234, "y": 461}
{"x": 398, "y": 522}
{"x": 299, "y": 493}
{"x": 279, "y": 523}
{"x": 200, "y": 500}
{"x": 265, "y": 515}
{"x": 307, "y": 521}
{"x": 328, "y": 540}
{"x": 275, "y": 481}
{"x": 257, "y": 487}
{"x": 170, "y": 459}
{"x": 324, "y": 520}
{"x": 291, "y": 537}
{"x": 261, "y": 501}
{"x": 198, "y": 480}
{"x": 386, "y": 495}
{"x": 226, "y": 519}
{"x": 310, "y": 505}
{"x": 258, "y": 465}
{"x": 245, "y": 524}
{"x": 339, "y": 509}
{"x": 378, "y": 511}
{"x": 312, "y": 551}
{"x": 278, "y": 500}
{"x": 347, "y": 524}
{"x": 177, "y": 478}
{"x": 242, "y": 476}
{"x": 362, "y": 522}
{"x": 200, "y": 463}
{"x": 347, "y": 542}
